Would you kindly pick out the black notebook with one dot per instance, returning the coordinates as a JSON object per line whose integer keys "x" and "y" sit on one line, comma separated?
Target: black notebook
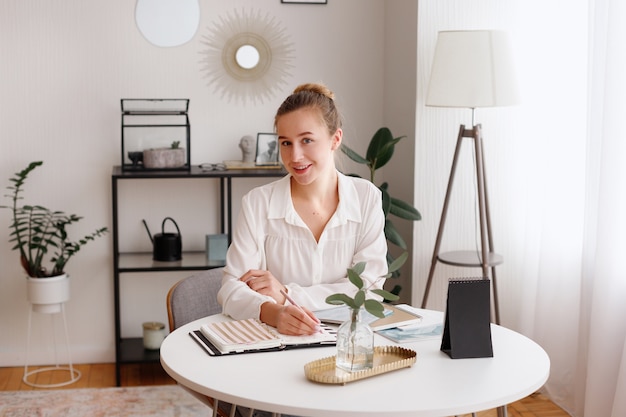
{"x": 250, "y": 335}
{"x": 467, "y": 326}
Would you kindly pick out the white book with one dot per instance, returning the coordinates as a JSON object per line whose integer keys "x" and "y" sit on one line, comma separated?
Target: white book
{"x": 395, "y": 316}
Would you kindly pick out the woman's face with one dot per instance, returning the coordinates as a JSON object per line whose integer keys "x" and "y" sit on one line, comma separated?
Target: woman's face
{"x": 306, "y": 148}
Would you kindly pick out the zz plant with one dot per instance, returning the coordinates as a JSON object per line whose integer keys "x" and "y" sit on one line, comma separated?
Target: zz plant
{"x": 37, "y": 231}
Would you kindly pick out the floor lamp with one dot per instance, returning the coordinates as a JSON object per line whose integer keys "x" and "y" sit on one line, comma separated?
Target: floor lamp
{"x": 471, "y": 69}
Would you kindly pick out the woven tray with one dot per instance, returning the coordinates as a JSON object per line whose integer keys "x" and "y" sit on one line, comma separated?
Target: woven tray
{"x": 386, "y": 359}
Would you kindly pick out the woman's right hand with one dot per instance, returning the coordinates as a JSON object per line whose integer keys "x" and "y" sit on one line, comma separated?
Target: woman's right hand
{"x": 290, "y": 319}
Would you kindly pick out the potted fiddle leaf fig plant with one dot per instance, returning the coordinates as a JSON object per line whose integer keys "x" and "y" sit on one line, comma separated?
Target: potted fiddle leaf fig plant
{"x": 379, "y": 152}
{"x": 41, "y": 238}
{"x": 355, "y": 338}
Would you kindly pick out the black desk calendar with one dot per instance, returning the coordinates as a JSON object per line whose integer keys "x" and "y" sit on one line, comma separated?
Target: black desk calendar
{"x": 467, "y": 327}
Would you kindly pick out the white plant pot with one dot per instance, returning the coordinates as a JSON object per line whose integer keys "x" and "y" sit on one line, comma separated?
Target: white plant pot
{"x": 47, "y": 295}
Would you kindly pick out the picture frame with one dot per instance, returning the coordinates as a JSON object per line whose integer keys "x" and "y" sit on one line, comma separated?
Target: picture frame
{"x": 267, "y": 149}
{"x": 304, "y": 1}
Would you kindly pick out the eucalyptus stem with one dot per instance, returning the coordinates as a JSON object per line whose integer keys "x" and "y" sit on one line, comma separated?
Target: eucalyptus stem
{"x": 352, "y": 346}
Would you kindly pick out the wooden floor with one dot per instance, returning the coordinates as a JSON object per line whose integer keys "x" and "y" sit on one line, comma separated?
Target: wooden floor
{"x": 103, "y": 375}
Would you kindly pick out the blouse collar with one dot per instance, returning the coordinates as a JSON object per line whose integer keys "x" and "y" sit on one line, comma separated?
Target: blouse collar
{"x": 281, "y": 206}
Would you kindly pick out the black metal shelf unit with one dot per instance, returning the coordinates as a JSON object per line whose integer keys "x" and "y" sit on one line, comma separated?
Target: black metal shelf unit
{"x": 131, "y": 350}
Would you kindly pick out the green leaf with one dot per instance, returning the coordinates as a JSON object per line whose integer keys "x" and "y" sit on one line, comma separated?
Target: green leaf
{"x": 386, "y": 153}
{"x": 375, "y": 308}
{"x": 378, "y": 141}
{"x": 386, "y": 200}
{"x": 393, "y": 235}
{"x": 398, "y": 262}
{"x": 353, "y": 155}
{"x": 354, "y": 278}
{"x": 359, "y": 298}
{"x": 403, "y": 210}
{"x": 359, "y": 267}
{"x": 396, "y": 289}
{"x": 381, "y": 148}
{"x": 385, "y": 294}
{"x": 340, "y": 299}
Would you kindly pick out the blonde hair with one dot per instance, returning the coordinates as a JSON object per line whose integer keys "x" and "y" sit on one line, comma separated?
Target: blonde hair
{"x": 314, "y": 96}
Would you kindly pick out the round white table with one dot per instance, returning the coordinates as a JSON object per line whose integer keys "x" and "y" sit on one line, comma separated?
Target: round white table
{"x": 434, "y": 386}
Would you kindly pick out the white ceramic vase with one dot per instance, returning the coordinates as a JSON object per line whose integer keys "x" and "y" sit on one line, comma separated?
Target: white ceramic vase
{"x": 47, "y": 295}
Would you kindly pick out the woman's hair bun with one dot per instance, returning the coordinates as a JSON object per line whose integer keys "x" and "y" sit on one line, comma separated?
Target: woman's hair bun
{"x": 315, "y": 88}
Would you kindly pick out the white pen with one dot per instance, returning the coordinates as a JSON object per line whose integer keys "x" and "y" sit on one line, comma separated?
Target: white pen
{"x": 296, "y": 304}
{"x": 289, "y": 298}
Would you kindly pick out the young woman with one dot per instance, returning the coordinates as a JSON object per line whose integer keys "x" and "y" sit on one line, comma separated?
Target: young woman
{"x": 298, "y": 235}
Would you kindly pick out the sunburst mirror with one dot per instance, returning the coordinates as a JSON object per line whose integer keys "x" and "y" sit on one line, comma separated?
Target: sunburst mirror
{"x": 247, "y": 56}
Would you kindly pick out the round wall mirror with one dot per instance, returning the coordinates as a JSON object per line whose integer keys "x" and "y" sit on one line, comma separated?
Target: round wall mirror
{"x": 247, "y": 56}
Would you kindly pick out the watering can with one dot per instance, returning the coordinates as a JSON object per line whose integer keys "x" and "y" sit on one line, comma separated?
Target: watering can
{"x": 166, "y": 246}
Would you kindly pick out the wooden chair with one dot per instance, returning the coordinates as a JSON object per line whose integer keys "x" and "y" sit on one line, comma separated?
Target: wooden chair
{"x": 190, "y": 299}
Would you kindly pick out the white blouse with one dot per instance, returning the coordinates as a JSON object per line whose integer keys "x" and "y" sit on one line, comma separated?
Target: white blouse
{"x": 270, "y": 235}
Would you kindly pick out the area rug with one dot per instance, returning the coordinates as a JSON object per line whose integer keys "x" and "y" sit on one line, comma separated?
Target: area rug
{"x": 150, "y": 401}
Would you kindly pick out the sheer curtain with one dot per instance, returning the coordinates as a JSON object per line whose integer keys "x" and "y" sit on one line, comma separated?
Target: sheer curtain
{"x": 601, "y": 378}
{"x": 558, "y": 192}
{"x": 588, "y": 375}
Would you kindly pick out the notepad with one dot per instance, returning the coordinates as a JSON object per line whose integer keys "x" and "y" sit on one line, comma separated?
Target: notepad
{"x": 395, "y": 316}
{"x": 251, "y": 335}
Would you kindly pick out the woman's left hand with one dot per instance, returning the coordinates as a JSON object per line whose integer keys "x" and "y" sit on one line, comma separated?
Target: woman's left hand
{"x": 264, "y": 283}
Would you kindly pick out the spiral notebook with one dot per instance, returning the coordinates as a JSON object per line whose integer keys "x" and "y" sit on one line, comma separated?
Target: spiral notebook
{"x": 467, "y": 327}
{"x": 251, "y": 335}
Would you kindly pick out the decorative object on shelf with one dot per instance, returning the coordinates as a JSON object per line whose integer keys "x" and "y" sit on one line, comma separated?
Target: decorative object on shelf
{"x": 247, "y": 144}
{"x": 247, "y": 57}
{"x": 208, "y": 167}
{"x": 267, "y": 149}
{"x": 167, "y": 23}
{"x": 166, "y": 247}
{"x": 153, "y": 335}
{"x": 355, "y": 339}
{"x": 156, "y": 134}
{"x": 216, "y": 248}
{"x": 379, "y": 153}
{"x": 172, "y": 157}
{"x": 471, "y": 69}
{"x": 35, "y": 231}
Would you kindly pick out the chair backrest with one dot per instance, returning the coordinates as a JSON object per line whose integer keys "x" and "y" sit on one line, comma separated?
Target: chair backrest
{"x": 194, "y": 297}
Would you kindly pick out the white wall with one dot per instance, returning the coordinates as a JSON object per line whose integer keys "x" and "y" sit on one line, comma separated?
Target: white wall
{"x": 64, "y": 67}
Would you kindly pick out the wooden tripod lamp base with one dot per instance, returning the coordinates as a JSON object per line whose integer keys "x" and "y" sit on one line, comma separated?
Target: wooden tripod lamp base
{"x": 485, "y": 259}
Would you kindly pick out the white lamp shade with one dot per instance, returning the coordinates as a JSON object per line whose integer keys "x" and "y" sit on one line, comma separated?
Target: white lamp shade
{"x": 472, "y": 69}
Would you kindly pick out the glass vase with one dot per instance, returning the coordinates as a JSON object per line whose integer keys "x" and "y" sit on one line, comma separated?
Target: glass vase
{"x": 355, "y": 344}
